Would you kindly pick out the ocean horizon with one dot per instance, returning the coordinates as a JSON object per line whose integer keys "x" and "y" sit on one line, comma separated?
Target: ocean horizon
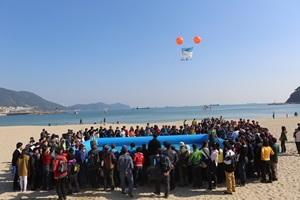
{"x": 154, "y": 115}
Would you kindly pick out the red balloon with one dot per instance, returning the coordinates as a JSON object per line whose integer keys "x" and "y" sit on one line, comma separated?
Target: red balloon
{"x": 197, "y": 39}
{"x": 179, "y": 40}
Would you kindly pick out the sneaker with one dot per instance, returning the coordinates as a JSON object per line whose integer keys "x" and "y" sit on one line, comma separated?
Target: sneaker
{"x": 130, "y": 195}
{"x": 226, "y": 192}
{"x": 156, "y": 193}
{"x": 166, "y": 196}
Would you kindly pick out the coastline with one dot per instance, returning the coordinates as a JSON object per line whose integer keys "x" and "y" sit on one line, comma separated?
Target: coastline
{"x": 286, "y": 188}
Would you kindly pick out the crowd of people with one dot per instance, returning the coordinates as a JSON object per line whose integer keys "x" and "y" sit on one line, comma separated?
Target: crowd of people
{"x": 250, "y": 152}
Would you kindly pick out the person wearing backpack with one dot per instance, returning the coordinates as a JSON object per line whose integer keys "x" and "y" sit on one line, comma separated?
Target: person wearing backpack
{"x": 163, "y": 168}
{"x": 60, "y": 169}
{"x": 125, "y": 167}
{"x": 229, "y": 167}
{"x": 73, "y": 169}
{"x": 183, "y": 156}
{"x": 93, "y": 164}
{"x": 138, "y": 161}
{"x": 109, "y": 161}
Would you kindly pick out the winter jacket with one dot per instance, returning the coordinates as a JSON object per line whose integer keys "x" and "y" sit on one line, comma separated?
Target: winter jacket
{"x": 55, "y": 163}
{"x": 23, "y": 165}
{"x": 138, "y": 159}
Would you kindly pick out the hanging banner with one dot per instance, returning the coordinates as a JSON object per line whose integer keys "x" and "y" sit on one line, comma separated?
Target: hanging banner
{"x": 186, "y": 54}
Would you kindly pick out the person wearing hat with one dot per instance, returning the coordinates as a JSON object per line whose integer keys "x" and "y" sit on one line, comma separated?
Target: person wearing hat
{"x": 183, "y": 156}
{"x": 80, "y": 156}
{"x": 174, "y": 160}
{"x": 109, "y": 161}
{"x": 93, "y": 165}
{"x": 125, "y": 167}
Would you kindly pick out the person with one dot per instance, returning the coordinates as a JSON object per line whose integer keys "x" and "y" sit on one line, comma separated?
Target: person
{"x": 23, "y": 169}
{"x": 266, "y": 152}
{"x": 229, "y": 167}
{"x": 15, "y": 156}
{"x": 283, "y": 139}
{"x": 109, "y": 161}
{"x": 183, "y": 157}
{"x": 194, "y": 161}
{"x": 212, "y": 168}
{"x": 80, "y": 159}
{"x": 163, "y": 168}
{"x": 72, "y": 174}
{"x": 212, "y": 135}
{"x": 273, "y": 115}
{"x": 220, "y": 170}
{"x": 138, "y": 161}
{"x": 173, "y": 159}
{"x": 93, "y": 165}
{"x": 242, "y": 160}
{"x": 46, "y": 160}
{"x": 125, "y": 167}
{"x": 80, "y": 122}
{"x": 297, "y": 138}
{"x": 153, "y": 147}
{"x": 35, "y": 169}
{"x": 274, "y": 159}
{"x": 59, "y": 174}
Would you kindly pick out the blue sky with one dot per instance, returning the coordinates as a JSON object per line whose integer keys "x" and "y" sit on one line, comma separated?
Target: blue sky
{"x": 124, "y": 51}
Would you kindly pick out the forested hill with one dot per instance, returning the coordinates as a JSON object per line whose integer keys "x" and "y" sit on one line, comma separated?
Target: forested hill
{"x": 26, "y": 99}
{"x": 295, "y": 96}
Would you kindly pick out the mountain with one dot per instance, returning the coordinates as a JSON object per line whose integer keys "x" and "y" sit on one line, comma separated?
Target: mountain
{"x": 295, "y": 96}
{"x": 98, "y": 106}
{"x": 26, "y": 99}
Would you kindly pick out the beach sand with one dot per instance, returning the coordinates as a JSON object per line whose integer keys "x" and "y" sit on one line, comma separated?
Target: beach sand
{"x": 287, "y": 187}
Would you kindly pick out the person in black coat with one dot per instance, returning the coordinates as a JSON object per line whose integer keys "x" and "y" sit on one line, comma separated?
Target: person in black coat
{"x": 153, "y": 147}
{"x": 15, "y": 157}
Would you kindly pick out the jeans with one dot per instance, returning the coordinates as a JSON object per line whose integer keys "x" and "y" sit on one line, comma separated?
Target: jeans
{"x": 23, "y": 183}
{"x": 197, "y": 175}
{"x": 138, "y": 170}
{"x": 108, "y": 177}
{"x": 242, "y": 172}
{"x": 61, "y": 188}
{"x": 183, "y": 175}
{"x": 46, "y": 176}
{"x": 129, "y": 178}
{"x": 72, "y": 180}
{"x": 266, "y": 169}
{"x": 298, "y": 147}
{"x": 166, "y": 180}
{"x": 283, "y": 148}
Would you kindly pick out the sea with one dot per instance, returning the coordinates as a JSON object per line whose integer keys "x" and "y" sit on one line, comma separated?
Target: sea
{"x": 154, "y": 115}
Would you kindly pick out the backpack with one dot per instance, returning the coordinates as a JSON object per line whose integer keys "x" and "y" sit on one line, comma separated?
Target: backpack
{"x": 231, "y": 168}
{"x": 164, "y": 163}
{"x": 92, "y": 161}
{"x": 62, "y": 166}
{"x": 75, "y": 168}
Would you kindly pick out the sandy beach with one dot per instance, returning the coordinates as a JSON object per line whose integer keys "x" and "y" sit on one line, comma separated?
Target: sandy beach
{"x": 287, "y": 187}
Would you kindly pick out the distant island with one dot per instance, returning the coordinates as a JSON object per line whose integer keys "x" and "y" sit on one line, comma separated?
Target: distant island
{"x": 23, "y": 102}
{"x": 295, "y": 96}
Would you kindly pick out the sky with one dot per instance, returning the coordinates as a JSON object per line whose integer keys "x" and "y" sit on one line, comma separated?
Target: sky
{"x": 77, "y": 52}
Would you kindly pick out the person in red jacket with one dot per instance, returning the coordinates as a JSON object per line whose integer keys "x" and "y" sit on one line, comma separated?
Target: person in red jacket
{"x": 46, "y": 159}
{"x": 60, "y": 173}
{"x": 138, "y": 161}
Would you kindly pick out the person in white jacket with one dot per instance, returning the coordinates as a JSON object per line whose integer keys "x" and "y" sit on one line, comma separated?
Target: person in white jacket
{"x": 229, "y": 167}
{"x": 297, "y": 139}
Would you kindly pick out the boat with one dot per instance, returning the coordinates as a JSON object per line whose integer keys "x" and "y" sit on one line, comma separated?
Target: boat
{"x": 76, "y": 112}
{"x": 2, "y": 114}
{"x": 11, "y": 113}
{"x": 276, "y": 103}
{"x": 143, "y": 108}
{"x": 214, "y": 105}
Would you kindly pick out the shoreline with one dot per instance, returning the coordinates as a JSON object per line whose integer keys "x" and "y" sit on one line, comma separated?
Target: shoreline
{"x": 286, "y": 188}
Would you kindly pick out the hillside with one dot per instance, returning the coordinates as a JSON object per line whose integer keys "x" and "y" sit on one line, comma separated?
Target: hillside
{"x": 295, "y": 96}
{"x": 26, "y": 99}
{"x": 98, "y": 106}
